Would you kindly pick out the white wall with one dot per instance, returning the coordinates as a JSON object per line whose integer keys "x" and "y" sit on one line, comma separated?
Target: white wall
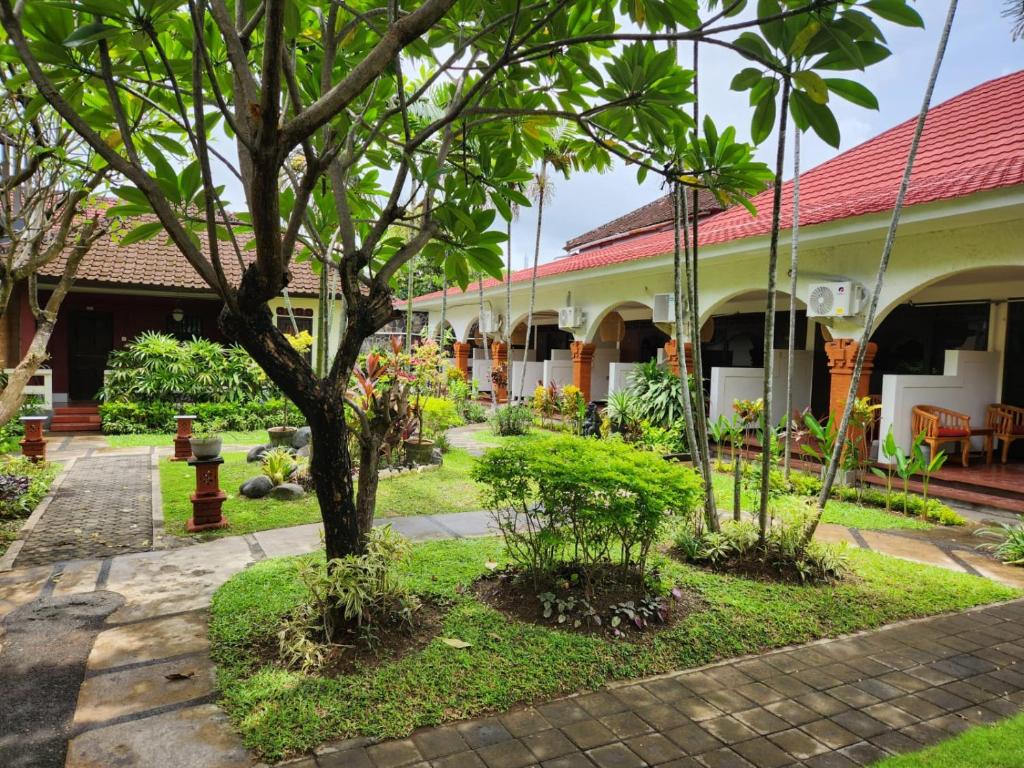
{"x": 520, "y": 388}
{"x": 480, "y": 371}
{"x": 729, "y": 384}
{"x": 599, "y": 371}
{"x": 618, "y": 376}
{"x": 557, "y": 372}
{"x": 969, "y": 384}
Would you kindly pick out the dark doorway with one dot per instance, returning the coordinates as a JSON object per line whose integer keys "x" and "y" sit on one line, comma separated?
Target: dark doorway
{"x": 90, "y": 339}
{"x": 1013, "y": 359}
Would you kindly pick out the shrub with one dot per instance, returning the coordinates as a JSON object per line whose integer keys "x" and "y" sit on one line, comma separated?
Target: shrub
{"x": 1010, "y": 545}
{"x": 659, "y": 398}
{"x": 582, "y": 502}
{"x": 156, "y": 366}
{"x": 158, "y": 416}
{"x": 439, "y": 415}
{"x": 474, "y": 412}
{"x": 22, "y": 485}
{"x": 278, "y": 464}
{"x": 357, "y": 595}
{"x": 512, "y": 420}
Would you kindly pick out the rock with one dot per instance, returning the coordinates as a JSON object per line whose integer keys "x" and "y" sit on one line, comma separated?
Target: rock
{"x": 303, "y": 452}
{"x": 436, "y": 457}
{"x": 256, "y": 453}
{"x": 256, "y": 487}
{"x": 287, "y": 492}
{"x": 301, "y": 437}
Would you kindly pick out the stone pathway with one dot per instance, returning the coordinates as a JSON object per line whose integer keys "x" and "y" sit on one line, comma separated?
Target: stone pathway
{"x": 102, "y": 508}
{"x": 830, "y": 704}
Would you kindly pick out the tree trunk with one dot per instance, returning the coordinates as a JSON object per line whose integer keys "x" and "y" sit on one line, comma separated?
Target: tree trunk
{"x": 767, "y": 427}
{"x": 793, "y": 263}
{"x": 541, "y": 192}
{"x": 883, "y": 265}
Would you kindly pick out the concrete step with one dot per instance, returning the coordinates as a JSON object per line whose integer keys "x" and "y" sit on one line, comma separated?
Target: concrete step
{"x": 77, "y": 409}
{"x": 75, "y": 427}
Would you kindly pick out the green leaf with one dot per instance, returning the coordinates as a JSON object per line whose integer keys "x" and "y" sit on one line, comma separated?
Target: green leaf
{"x": 763, "y": 120}
{"x": 90, "y": 33}
{"x": 852, "y": 91}
{"x": 896, "y": 11}
{"x": 745, "y": 79}
{"x": 812, "y": 83}
{"x": 820, "y": 118}
{"x": 142, "y": 232}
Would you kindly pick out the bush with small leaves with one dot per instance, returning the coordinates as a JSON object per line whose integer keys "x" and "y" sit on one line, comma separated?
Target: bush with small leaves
{"x": 512, "y": 420}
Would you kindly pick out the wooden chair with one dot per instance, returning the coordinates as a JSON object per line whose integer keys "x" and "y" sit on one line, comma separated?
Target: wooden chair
{"x": 1006, "y": 423}
{"x": 941, "y": 425}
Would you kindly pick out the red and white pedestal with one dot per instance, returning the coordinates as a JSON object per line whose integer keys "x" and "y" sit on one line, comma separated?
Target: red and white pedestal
{"x": 208, "y": 497}
{"x": 33, "y": 446}
{"x": 182, "y": 446}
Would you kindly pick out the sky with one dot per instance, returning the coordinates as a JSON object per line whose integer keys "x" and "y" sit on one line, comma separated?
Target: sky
{"x": 980, "y": 49}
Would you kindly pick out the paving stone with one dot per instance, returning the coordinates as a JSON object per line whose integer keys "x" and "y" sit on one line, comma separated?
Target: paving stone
{"x": 575, "y": 760}
{"x": 944, "y": 699}
{"x": 662, "y": 717}
{"x": 344, "y": 758}
{"x": 392, "y": 754}
{"x": 949, "y": 724}
{"x": 853, "y": 696}
{"x": 603, "y": 703}
{"x": 829, "y": 760}
{"x": 130, "y": 691}
{"x": 77, "y": 577}
{"x": 980, "y": 715}
{"x": 797, "y": 743}
{"x": 788, "y": 686}
{"x": 830, "y": 733}
{"x": 439, "y": 742}
{"x": 759, "y": 693}
{"x": 918, "y": 707}
{"x": 482, "y": 733}
{"x": 763, "y": 753}
{"x": 668, "y": 689}
{"x": 524, "y": 721}
{"x": 756, "y": 669}
{"x": 698, "y": 709}
{"x": 762, "y": 721}
{"x": 653, "y": 748}
{"x": 548, "y": 745}
{"x": 149, "y": 640}
{"x": 102, "y": 508}
{"x": 923, "y": 734}
{"x": 895, "y": 743}
{"x": 700, "y": 682}
{"x": 821, "y": 703}
{"x": 859, "y": 723}
{"x": 467, "y": 759}
{"x": 634, "y": 696}
{"x": 587, "y": 734}
{"x": 506, "y": 754}
{"x": 862, "y": 753}
{"x": 892, "y": 716}
{"x": 625, "y": 724}
{"x": 197, "y": 737}
{"x": 724, "y": 758}
{"x": 563, "y": 712}
{"x": 728, "y": 729}
{"x": 903, "y": 681}
{"x": 879, "y": 689}
{"x": 728, "y": 701}
{"x": 693, "y": 739}
{"x": 615, "y": 756}
{"x": 794, "y": 712}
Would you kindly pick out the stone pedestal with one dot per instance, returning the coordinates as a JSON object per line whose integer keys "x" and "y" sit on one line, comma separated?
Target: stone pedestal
{"x": 499, "y": 364}
{"x": 582, "y": 363}
{"x": 672, "y": 356}
{"x": 33, "y": 446}
{"x": 461, "y": 351}
{"x": 208, "y": 497}
{"x": 182, "y": 447}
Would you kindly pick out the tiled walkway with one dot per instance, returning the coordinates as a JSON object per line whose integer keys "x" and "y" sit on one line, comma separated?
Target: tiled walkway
{"x": 841, "y": 703}
{"x": 102, "y": 508}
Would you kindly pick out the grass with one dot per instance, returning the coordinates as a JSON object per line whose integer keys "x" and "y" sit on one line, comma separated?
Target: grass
{"x": 281, "y": 712}
{"x": 986, "y": 746}
{"x": 436, "y": 491}
{"x": 838, "y": 512}
{"x": 256, "y": 437}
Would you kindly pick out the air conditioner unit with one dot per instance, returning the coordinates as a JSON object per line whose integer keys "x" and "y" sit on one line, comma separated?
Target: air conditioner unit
{"x": 835, "y": 299}
{"x": 570, "y": 318}
{"x": 664, "y": 308}
{"x": 488, "y": 322}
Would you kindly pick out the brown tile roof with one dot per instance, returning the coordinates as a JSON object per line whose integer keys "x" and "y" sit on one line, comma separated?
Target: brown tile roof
{"x": 645, "y": 217}
{"x": 157, "y": 264}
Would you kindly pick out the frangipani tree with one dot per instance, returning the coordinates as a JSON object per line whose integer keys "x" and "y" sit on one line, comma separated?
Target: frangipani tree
{"x": 329, "y": 89}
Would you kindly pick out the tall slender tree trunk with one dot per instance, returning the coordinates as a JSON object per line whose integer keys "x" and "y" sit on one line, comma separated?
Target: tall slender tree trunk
{"x": 793, "y": 262}
{"x": 682, "y": 316}
{"x": 484, "y": 341}
{"x": 508, "y": 283}
{"x": 542, "y": 182}
{"x": 444, "y": 311}
{"x": 408, "y": 307}
{"x": 883, "y": 265}
{"x": 767, "y": 424}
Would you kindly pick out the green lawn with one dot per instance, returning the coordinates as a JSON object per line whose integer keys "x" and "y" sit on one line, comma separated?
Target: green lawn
{"x": 256, "y": 437}
{"x": 280, "y": 712}
{"x": 838, "y": 512}
{"x": 985, "y": 746}
{"x": 435, "y": 491}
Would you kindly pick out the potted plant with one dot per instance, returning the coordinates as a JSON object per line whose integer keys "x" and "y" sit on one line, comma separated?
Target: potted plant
{"x": 33, "y": 417}
{"x": 281, "y": 436}
{"x": 206, "y": 440}
{"x": 418, "y": 449}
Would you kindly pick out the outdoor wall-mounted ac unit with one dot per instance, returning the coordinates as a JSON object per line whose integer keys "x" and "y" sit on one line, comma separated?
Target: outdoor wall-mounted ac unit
{"x": 488, "y": 322}
{"x": 570, "y": 318}
{"x": 664, "y": 308}
{"x": 835, "y": 299}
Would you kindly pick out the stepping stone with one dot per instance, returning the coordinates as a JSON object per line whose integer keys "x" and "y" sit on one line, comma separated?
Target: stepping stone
{"x": 149, "y": 641}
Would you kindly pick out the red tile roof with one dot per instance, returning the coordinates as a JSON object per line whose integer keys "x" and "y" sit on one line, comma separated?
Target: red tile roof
{"x": 645, "y": 217}
{"x": 157, "y": 264}
{"x": 971, "y": 143}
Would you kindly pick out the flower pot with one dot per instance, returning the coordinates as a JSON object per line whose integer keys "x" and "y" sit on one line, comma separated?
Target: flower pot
{"x": 206, "y": 447}
{"x": 419, "y": 451}
{"x": 281, "y": 436}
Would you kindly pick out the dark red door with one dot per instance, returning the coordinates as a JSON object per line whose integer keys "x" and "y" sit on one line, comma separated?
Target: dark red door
{"x": 90, "y": 339}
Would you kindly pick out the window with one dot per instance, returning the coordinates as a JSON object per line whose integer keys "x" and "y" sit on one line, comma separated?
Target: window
{"x": 185, "y": 328}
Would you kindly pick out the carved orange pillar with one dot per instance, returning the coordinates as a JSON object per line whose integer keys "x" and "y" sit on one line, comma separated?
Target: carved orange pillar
{"x": 461, "y": 350}
{"x": 842, "y": 354}
{"x": 672, "y": 356}
{"x": 499, "y": 370}
{"x": 582, "y": 362}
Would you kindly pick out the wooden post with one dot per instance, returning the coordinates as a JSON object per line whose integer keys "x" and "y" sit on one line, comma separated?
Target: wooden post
{"x": 499, "y": 365}
{"x": 842, "y": 354}
{"x": 582, "y": 363}
{"x": 461, "y": 350}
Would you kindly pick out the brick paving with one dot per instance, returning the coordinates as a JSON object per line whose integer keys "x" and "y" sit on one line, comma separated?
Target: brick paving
{"x": 102, "y": 508}
{"x": 834, "y": 704}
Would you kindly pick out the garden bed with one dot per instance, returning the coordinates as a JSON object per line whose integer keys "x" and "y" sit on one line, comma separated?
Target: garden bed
{"x": 282, "y": 712}
{"x": 22, "y": 486}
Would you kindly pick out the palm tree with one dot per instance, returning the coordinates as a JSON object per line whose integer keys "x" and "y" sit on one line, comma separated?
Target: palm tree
{"x": 1014, "y": 11}
{"x": 883, "y": 265}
